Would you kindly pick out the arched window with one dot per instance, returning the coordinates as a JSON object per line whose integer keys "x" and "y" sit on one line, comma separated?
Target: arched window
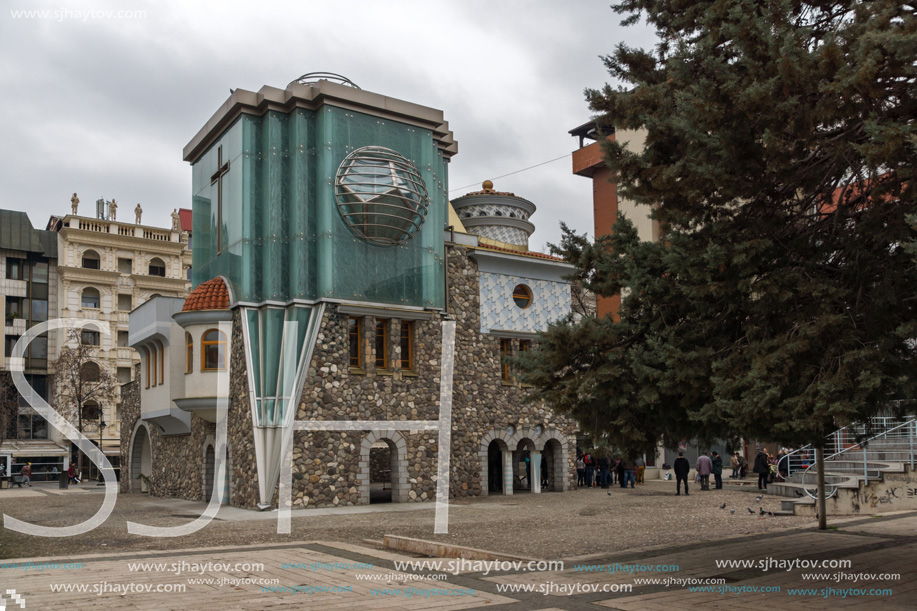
{"x": 91, "y": 260}
{"x": 90, "y": 298}
{"x": 90, "y": 372}
{"x": 91, "y": 411}
{"x": 157, "y": 267}
{"x": 213, "y": 351}
{"x": 153, "y": 357}
{"x": 189, "y": 353}
{"x": 522, "y": 295}
{"x": 162, "y": 362}
{"x": 147, "y": 354}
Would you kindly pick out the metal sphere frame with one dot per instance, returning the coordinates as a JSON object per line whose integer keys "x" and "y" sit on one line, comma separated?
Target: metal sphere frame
{"x": 381, "y": 195}
{"x": 311, "y": 78}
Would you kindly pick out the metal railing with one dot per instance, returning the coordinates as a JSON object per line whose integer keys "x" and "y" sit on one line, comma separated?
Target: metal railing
{"x": 854, "y": 438}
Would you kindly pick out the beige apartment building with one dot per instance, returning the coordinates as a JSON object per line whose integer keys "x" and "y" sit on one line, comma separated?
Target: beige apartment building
{"x": 106, "y": 268}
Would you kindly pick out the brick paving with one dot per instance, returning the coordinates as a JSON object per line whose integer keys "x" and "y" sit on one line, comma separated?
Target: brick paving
{"x": 873, "y": 545}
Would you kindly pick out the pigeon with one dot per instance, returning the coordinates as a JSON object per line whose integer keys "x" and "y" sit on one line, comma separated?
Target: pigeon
{"x": 761, "y": 511}
{"x": 798, "y": 493}
{"x": 770, "y": 513}
{"x": 609, "y": 493}
{"x": 758, "y": 498}
{"x": 723, "y": 506}
{"x": 750, "y": 510}
{"x": 732, "y": 511}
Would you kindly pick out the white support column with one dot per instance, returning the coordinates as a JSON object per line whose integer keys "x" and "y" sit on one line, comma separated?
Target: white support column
{"x": 535, "y": 484}
{"x": 508, "y": 474}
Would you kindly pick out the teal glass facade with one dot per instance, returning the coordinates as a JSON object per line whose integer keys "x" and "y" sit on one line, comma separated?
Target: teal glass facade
{"x": 282, "y": 235}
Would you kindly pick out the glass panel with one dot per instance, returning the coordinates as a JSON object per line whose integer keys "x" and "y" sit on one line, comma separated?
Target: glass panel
{"x": 40, "y": 273}
{"x": 40, "y": 310}
{"x": 38, "y": 348}
{"x": 39, "y": 291}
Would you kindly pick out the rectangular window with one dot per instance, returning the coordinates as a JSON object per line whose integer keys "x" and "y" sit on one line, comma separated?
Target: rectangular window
{"x": 14, "y": 309}
{"x": 147, "y": 359}
{"x": 158, "y": 270}
{"x": 407, "y": 336}
{"x": 125, "y": 302}
{"x": 124, "y": 375}
{"x": 123, "y": 339}
{"x": 8, "y": 342}
{"x": 89, "y": 338}
{"x": 38, "y": 347}
{"x": 381, "y": 343}
{"x": 354, "y": 333}
{"x": 505, "y": 352}
{"x": 189, "y": 353}
{"x": 125, "y": 266}
{"x": 40, "y": 273}
{"x": 39, "y": 310}
{"x": 14, "y": 268}
{"x": 524, "y": 345}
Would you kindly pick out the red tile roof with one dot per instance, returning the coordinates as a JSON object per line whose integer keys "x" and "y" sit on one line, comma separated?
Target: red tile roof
{"x": 523, "y": 253}
{"x": 184, "y": 216}
{"x": 210, "y": 295}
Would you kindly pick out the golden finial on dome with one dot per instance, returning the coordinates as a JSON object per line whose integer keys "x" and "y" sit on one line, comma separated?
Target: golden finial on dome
{"x": 488, "y": 185}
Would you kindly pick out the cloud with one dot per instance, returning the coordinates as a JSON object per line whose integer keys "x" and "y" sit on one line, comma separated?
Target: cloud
{"x": 103, "y": 106}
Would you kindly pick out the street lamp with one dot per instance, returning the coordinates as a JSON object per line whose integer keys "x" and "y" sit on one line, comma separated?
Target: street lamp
{"x": 102, "y": 426}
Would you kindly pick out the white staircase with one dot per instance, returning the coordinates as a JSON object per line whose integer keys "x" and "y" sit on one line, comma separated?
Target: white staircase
{"x": 858, "y": 459}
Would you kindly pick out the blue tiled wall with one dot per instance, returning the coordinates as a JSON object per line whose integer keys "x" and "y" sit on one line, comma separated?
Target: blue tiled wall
{"x": 550, "y": 301}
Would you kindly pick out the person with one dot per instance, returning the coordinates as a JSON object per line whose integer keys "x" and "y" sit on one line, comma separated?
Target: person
{"x": 544, "y": 470}
{"x": 590, "y": 469}
{"x": 743, "y": 466}
{"x": 717, "y": 461}
{"x": 26, "y": 474}
{"x": 113, "y": 210}
{"x": 71, "y": 474}
{"x": 703, "y": 467}
{"x": 734, "y": 463}
{"x": 580, "y": 471}
{"x": 628, "y": 473}
{"x": 176, "y": 220}
{"x": 603, "y": 471}
{"x": 681, "y": 467}
{"x": 138, "y": 212}
{"x": 619, "y": 470}
{"x": 74, "y": 203}
{"x": 762, "y": 468}
{"x": 640, "y": 464}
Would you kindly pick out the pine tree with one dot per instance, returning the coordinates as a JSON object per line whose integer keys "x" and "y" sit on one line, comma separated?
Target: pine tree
{"x": 779, "y": 160}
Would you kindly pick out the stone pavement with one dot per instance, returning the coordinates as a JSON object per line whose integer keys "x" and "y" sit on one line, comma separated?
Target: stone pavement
{"x": 330, "y": 575}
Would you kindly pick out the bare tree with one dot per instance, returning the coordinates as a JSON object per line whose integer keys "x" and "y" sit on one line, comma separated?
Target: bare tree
{"x": 80, "y": 384}
{"x": 9, "y": 406}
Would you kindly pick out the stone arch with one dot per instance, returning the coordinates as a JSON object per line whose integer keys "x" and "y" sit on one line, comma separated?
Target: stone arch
{"x": 398, "y": 447}
{"x": 141, "y": 455}
{"x": 207, "y": 488}
{"x": 484, "y": 457}
{"x": 555, "y": 449}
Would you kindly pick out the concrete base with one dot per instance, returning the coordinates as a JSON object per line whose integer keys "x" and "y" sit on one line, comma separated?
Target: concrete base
{"x": 443, "y": 550}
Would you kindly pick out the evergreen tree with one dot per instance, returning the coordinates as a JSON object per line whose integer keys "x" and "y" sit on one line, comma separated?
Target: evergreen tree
{"x": 779, "y": 160}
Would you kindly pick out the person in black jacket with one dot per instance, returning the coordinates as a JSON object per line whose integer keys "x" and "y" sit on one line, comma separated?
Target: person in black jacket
{"x": 681, "y": 467}
{"x": 762, "y": 468}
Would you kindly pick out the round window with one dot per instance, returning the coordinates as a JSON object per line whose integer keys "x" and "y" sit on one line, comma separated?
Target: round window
{"x": 522, "y": 295}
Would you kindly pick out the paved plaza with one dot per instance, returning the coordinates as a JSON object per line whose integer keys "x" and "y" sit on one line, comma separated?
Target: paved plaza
{"x": 347, "y": 568}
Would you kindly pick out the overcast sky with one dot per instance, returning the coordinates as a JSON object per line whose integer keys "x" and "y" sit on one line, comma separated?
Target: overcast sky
{"x": 104, "y": 105}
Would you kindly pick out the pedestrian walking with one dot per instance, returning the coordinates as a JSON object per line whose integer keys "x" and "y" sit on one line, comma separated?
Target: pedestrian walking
{"x": 762, "y": 468}
{"x": 681, "y": 467}
{"x": 26, "y": 474}
{"x": 590, "y": 469}
{"x": 743, "y": 466}
{"x": 580, "y": 471}
{"x": 717, "y": 470}
{"x": 734, "y": 463}
{"x": 640, "y": 465}
{"x": 703, "y": 467}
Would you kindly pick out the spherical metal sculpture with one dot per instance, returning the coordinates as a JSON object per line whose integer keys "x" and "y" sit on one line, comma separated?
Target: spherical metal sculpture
{"x": 381, "y": 195}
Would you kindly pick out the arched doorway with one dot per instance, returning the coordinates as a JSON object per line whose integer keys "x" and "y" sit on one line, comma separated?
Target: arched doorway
{"x": 394, "y": 451}
{"x": 141, "y": 461}
{"x": 553, "y": 464}
{"x": 522, "y": 466}
{"x": 380, "y": 471}
{"x": 495, "y": 467}
{"x": 209, "y": 467}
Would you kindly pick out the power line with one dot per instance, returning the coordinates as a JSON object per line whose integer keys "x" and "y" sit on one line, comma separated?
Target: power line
{"x": 516, "y": 172}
